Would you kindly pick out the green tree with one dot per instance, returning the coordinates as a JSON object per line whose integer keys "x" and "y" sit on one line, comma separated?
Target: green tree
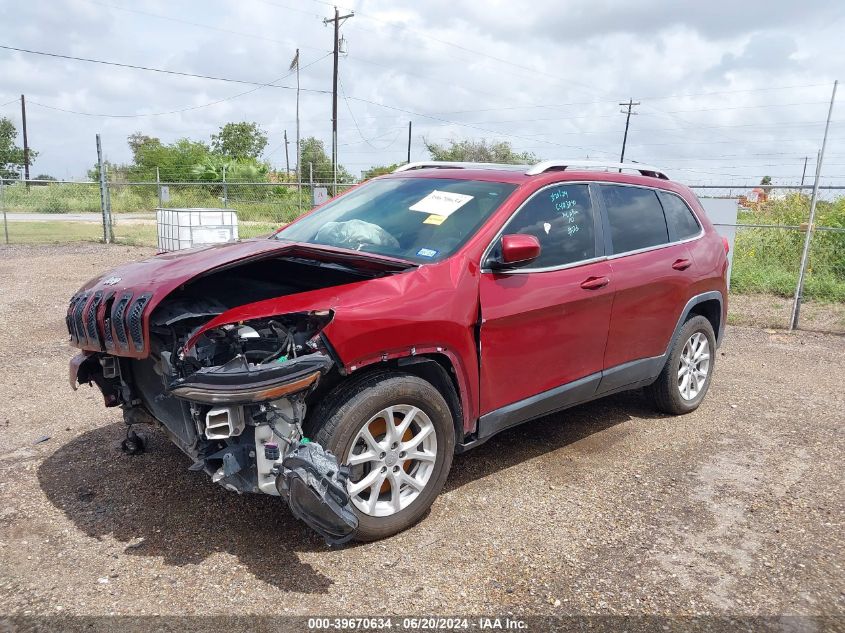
{"x": 314, "y": 154}
{"x": 11, "y": 156}
{"x": 239, "y": 140}
{"x": 211, "y": 169}
{"x": 140, "y": 143}
{"x": 767, "y": 180}
{"x": 175, "y": 161}
{"x": 478, "y": 151}
{"x": 381, "y": 170}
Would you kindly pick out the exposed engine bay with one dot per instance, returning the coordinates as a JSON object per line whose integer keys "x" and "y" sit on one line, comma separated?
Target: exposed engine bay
{"x": 236, "y": 399}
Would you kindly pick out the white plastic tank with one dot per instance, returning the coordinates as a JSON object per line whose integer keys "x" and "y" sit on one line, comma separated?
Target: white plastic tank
{"x": 185, "y": 228}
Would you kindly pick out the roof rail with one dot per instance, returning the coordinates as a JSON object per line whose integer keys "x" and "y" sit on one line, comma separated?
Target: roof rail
{"x": 560, "y": 165}
{"x": 446, "y": 164}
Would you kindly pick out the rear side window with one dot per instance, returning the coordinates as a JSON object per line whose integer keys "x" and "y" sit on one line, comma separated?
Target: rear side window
{"x": 561, "y": 218}
{"x": 679, "y": 217}
{"x": 635, "y": 218}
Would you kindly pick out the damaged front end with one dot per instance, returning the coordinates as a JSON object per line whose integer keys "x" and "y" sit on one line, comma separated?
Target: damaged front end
{"x": 234, "y": 398}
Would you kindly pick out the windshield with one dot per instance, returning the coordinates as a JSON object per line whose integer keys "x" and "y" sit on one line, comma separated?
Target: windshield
{"x": 419, "y": 219}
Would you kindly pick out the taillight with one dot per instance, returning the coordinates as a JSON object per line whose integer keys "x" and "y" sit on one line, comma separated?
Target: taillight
{"x": 727, "y": 245}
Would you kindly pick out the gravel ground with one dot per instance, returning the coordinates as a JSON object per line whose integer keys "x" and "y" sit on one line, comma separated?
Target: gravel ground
{"x": 605, "y": 509}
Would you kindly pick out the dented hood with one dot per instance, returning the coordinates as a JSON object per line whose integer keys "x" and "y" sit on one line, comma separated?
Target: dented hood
{"x": 167, "y": 271}
{"x": 111, "y": 311}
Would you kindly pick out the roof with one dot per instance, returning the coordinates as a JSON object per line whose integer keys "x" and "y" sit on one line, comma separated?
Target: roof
{"x": 539, "y": 168}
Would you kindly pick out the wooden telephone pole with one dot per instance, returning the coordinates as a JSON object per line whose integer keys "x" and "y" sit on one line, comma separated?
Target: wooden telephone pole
{"x": 287, "y": 159}
{"x": 25, "y": 143}
{"x": 629, "y": 105}
{"x": 337, "y": 20}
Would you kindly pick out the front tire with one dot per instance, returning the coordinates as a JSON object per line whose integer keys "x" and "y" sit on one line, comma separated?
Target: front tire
{"x": 395, "y": 432}
{"x": 686, "y": 377}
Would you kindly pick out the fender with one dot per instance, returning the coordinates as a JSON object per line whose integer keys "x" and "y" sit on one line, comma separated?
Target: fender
{"x": 427, "y": 351}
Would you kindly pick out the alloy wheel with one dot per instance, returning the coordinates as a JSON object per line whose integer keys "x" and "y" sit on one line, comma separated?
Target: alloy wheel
{"x": 694, "y": 366}
{"x": 391, "y": 460}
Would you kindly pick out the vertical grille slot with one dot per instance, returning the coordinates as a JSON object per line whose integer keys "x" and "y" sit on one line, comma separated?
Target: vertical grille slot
{"x": 136, "y": 323}
{"x": 91, "y": 320}
{"x": 69, "y": 318}
{"x": 78, "y": 310}
{"x": 117, "y": 317}
{"x": 108, "y": 337}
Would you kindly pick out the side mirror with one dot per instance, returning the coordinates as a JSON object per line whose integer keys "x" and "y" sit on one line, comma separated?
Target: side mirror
{"x": 515, "y": 250}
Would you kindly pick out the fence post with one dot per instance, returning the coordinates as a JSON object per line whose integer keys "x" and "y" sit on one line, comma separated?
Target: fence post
{"x": 799, "y": 288}
{"x": 3, "y": 206}
{"x": 298, "y": 181}
{"x": 225, "y": 190}
{"x": 158, "y": 188}
{"x": 105, "y": 205}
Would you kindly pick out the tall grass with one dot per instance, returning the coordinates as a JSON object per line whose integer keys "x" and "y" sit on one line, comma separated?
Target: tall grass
{"x": 259, "y": 202}
{"x": 767, "y": 260}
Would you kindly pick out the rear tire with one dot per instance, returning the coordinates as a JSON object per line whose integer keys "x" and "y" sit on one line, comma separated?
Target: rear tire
{"x": 397, "y": 488}
{"x": 685, "y": 378}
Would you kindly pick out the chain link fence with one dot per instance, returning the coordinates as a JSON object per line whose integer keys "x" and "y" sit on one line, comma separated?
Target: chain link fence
{"x": 767, "y": 252}
{"x": 66, "y": 211}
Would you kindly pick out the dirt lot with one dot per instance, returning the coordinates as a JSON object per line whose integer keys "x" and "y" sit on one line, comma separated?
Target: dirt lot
{"x": 607, "y": 508}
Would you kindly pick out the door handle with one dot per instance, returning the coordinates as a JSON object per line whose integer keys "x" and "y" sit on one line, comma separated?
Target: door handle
{"x": 681, "y": 264}
{"x": 594, "y": 283}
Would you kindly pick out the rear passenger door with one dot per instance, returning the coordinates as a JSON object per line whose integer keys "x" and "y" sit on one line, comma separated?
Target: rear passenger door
{"x": 652, "y": 273}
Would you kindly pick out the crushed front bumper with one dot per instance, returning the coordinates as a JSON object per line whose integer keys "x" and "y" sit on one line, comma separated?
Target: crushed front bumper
{"x": 237, "y": 382}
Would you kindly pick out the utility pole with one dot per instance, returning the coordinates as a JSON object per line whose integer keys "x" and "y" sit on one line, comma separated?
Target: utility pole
{"x": 337, "y": 20}
{"x": 25, "y": 143}
{"x": 287, "y": 160}
{"x": 628, "y": 109}
{"x": 105, "y": 200}
{"x": 803, "y": 173}
{"x": 409, "y": 141}
{"x": 295, "y": 64}
{"x": 799, "y": 288}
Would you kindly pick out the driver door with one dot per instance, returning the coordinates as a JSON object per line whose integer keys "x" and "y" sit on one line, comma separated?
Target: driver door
{"x": 544, "y": 325}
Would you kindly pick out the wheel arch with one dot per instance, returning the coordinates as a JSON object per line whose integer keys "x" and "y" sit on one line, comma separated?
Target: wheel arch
{"x": 436, "y": 369}
{"x": 707, "y": 304}
{"x": 711, "y": 309}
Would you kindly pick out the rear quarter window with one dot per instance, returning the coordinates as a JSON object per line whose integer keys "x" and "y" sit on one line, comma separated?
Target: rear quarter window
{"x": 635, "y": 218}
{"x": 680, "y": 219}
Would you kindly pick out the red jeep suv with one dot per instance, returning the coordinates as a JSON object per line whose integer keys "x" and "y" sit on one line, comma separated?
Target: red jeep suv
{"x": 342, "y": 362}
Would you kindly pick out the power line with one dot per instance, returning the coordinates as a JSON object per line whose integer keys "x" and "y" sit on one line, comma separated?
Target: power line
{"x": 358, "y": 128}
{"x": 475, "y": 127}
{"x": 178, "y": 111}
{"x": 197, "y": 24}
{"x": 151, "y": 69}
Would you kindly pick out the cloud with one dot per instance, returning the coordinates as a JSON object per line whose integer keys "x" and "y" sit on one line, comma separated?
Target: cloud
{"x": 710, "y": 78}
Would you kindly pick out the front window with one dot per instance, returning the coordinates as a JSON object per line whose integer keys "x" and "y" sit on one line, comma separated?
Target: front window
{"x": 419, "y": 219}
{"x": 561, "y": 218}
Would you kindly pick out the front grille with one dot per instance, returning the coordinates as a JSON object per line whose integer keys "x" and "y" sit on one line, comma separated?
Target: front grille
{"x": 108, "y": 320}
{"x": 136, "y": 323}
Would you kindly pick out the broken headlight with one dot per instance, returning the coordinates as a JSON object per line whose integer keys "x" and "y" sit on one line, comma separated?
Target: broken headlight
{"x": 256, "y": 360}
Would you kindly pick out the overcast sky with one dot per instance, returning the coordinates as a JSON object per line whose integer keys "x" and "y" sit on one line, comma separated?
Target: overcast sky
{"x": 730, "y": 90}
